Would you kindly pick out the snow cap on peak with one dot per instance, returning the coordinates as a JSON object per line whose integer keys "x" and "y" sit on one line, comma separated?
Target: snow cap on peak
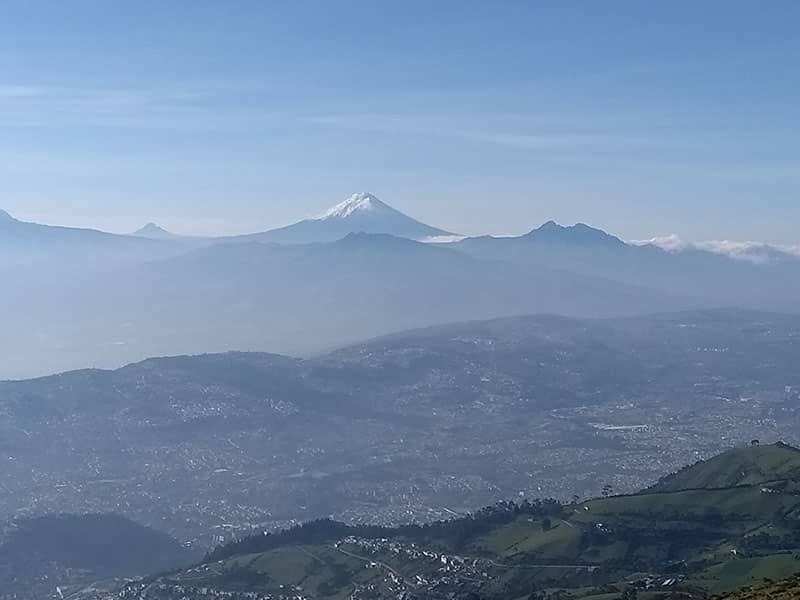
{"x": 4, "y": 216}
{"x": 154, "y": 231}
{"x": 357, "y": 203}
{"x": 151, "y": 228}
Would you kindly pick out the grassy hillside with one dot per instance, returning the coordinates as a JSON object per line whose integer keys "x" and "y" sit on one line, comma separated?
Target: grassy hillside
{"x": 743, "y": 466}
{"x": 714, "y": 527}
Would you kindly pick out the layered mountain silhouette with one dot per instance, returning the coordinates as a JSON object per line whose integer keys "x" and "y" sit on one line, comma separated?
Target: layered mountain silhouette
{"x": 294, "y": 299}
{"x": 708, "y": 276}
{"x": 81, "y": 297}
{"x": 360, "y": 213}
{"x": 24, "y": 243}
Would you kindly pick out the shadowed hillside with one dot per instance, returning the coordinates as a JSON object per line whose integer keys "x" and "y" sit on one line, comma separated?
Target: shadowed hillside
{"x": 71, "y": 551}
{"x": 681, "y": 543}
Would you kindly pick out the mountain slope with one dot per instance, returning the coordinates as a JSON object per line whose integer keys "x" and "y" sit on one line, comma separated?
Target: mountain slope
{"x": 96, "y": 299}
{"x": 109, "y": 545}
{"x": 678, "y": 544}
{"x": 292, "y": 299}
{"x": 23, "y": 243}
{"x": 788, "y": 589}
{"x": 154, "y": 231}
{"x": 715, "y": 278}
{"x": 467, "y": 412}
{"x": 70, "y": 552}
{"x": 744, "y": 466}
{"x": 360, "y": 213}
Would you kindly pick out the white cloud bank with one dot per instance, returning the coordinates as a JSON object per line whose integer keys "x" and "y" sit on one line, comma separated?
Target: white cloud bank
{"x": 755, "y": 252}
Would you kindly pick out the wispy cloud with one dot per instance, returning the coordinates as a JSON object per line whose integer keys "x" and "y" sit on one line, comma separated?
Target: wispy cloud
{"x": 753, "y": 252}
{"x": 19, "y": 91}
{"x": 23, "y": 106}
{"x": 482, "y": 128}
{"x": 248, "y": 105}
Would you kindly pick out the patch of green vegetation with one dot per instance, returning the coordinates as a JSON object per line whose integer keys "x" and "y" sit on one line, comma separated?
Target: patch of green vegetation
{"x": 548, "y": 539}
{"x": 741, "y": 466}
{"x": 746, "y": 502}
{"x": 320, "y": 570}
{"x": 686, "y": 538}
{"x": 735, "y": 574}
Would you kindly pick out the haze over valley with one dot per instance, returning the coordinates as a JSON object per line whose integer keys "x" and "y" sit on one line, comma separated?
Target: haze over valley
{"x": 416, "y": 427}
{"x": 357, "y": 300}
{"x": 77, "y": 298}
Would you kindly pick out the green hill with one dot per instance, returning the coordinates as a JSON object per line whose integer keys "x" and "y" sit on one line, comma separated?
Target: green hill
{"x": 714, "y": 527}
{"x": 742, "y": 466}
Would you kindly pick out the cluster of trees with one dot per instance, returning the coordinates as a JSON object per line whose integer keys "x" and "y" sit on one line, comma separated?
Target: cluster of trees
{"x": 453, "y": 533}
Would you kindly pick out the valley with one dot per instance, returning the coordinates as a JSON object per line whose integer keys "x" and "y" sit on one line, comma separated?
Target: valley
{"x": 554, "y": 356}
{"x": 415, "y": 427}
{"x": 672, "y": 540}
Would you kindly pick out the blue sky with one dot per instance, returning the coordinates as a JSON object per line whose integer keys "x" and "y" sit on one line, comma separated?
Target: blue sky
{"x": 643, "y": 118}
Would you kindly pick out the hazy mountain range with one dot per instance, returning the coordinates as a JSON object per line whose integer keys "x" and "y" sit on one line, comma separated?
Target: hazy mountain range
{"x": 360, "y": 213}
{"x": 43, "y": 246}
{"x": 79, "y": 297}
{"x": 399, "y": 427}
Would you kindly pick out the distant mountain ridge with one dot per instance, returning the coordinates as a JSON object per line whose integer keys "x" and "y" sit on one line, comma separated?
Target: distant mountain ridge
{"x": 22, "y": 242}
{"x": 360, "y": 213}
{"x": 719, "y": 279}
{"x": 296, "y": 299}
{"x": 491, "y": 376}
{"x": 78, "y": 297}
{"x": 580, "y": 234}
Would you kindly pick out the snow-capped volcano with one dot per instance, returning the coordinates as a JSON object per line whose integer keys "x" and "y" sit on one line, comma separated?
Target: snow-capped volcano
{"x": 357, "y": 203}
{"x": 360, "y": 213}
{"x": 155, "y": 232}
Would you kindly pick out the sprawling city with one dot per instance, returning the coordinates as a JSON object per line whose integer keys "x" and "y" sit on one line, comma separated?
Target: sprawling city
{"x": 358, "y": 300}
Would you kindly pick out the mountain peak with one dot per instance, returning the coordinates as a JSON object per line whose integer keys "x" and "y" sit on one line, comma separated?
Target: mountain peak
{"x": 580, "y": 233}
{"x": 151, "y": 227}
{"x": 154, "y": 231}
{"x": 361, "y": 202}
{"x": 361, "y": 212}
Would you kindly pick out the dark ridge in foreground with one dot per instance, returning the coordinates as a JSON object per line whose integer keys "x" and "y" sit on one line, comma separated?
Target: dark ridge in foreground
{"x": 677, "y": 541}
